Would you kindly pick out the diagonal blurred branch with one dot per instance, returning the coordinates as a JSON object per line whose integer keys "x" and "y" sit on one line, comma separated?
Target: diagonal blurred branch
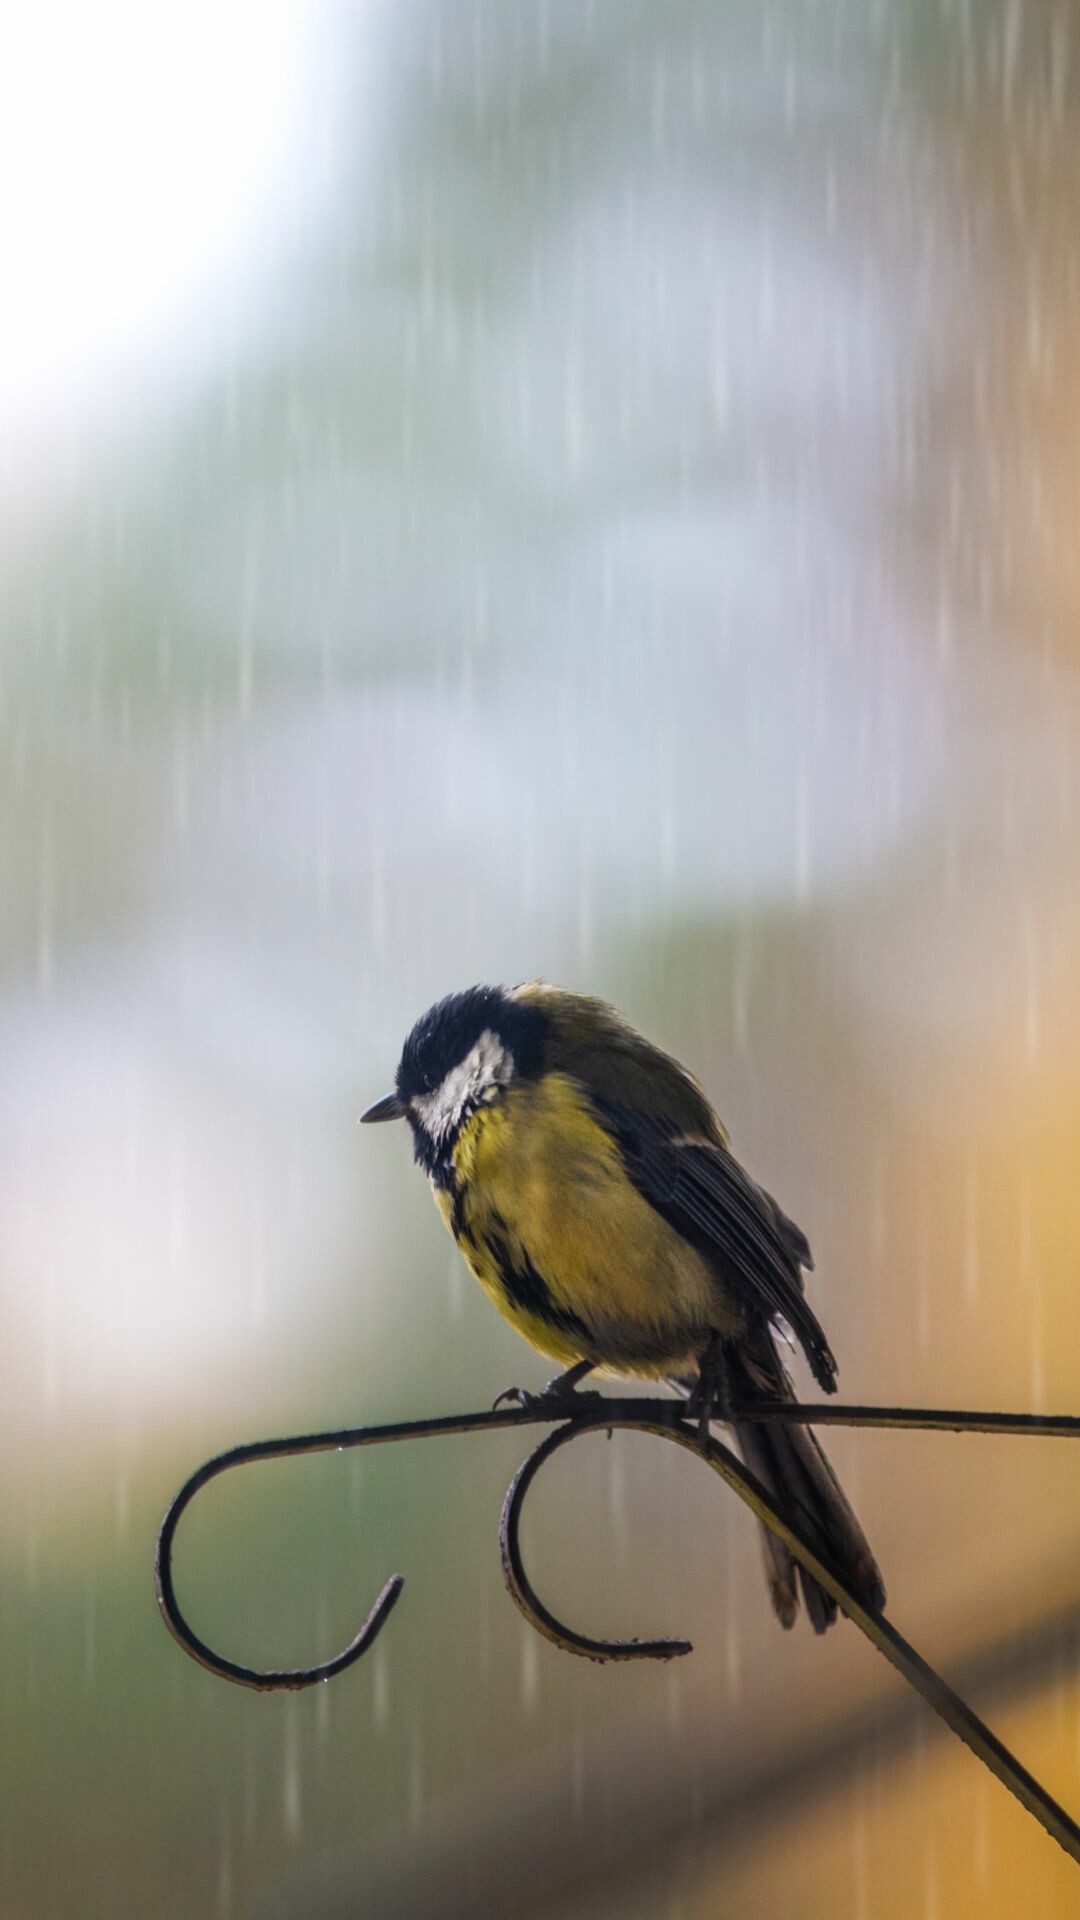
{"x": 524, "y": 1846}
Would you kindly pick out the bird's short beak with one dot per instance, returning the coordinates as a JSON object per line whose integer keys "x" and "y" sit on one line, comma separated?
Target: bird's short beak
{"x": 388, "y": 1108}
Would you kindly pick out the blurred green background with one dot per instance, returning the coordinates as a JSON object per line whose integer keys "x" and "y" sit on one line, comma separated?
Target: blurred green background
{"x": 580, "y": 488}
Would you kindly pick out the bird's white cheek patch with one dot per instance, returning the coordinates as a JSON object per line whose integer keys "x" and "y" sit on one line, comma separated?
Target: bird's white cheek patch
{"x": 486, "y": 1067}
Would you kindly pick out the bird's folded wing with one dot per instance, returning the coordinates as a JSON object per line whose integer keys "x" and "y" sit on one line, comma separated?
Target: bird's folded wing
{"x": 703, "y": 1192}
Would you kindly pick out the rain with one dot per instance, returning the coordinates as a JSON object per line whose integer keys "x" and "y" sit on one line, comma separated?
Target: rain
{"x": 580, "y": 490}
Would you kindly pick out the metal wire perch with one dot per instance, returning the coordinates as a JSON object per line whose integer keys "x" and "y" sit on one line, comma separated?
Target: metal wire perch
{"x": 667, "y": 1419}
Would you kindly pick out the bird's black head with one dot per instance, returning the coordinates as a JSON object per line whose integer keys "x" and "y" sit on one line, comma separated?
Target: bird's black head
{"x": 462, "y": 1054}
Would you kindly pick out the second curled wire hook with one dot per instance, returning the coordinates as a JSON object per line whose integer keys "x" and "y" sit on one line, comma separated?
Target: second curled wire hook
{"x": 521, "y": 1587}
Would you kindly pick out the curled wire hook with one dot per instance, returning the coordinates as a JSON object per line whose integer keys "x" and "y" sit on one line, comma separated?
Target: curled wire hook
{"x": 655, "y": 1416}
{"x": 521, "y": 1587}
{"x": 335, "y": 1441}
{"x": 288, "y": 1678}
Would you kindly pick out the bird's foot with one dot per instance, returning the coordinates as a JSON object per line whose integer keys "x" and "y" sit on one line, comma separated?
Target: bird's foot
{"x": 711, "y": 1398}
{"x": 558, "y": 1394}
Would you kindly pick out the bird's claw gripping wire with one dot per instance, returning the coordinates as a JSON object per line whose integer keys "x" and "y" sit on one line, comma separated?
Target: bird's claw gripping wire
{"x": 560, "y": 1396}
{"x": 667, "y": 1419}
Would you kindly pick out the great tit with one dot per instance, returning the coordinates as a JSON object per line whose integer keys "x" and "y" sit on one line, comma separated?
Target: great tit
{"x": 591, "y": 1188}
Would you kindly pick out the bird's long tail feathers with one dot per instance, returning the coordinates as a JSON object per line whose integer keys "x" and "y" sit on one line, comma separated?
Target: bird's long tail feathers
{"x": 793, "y": 1468}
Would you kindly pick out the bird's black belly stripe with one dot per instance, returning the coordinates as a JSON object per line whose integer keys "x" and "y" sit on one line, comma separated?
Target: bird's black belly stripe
{"x": 458, "y": 1225}
{"x": 524, "y": 1286}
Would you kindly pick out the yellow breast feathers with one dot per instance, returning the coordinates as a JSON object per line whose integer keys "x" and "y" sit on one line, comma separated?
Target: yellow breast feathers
{"x": 563, "y": 1242}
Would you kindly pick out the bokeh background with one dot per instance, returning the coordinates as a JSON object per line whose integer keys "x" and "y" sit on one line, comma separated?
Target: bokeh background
{"x": 587, "y": 489}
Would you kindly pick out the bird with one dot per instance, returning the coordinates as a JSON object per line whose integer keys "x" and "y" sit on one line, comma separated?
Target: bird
{"x": 592, "y": 1190}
